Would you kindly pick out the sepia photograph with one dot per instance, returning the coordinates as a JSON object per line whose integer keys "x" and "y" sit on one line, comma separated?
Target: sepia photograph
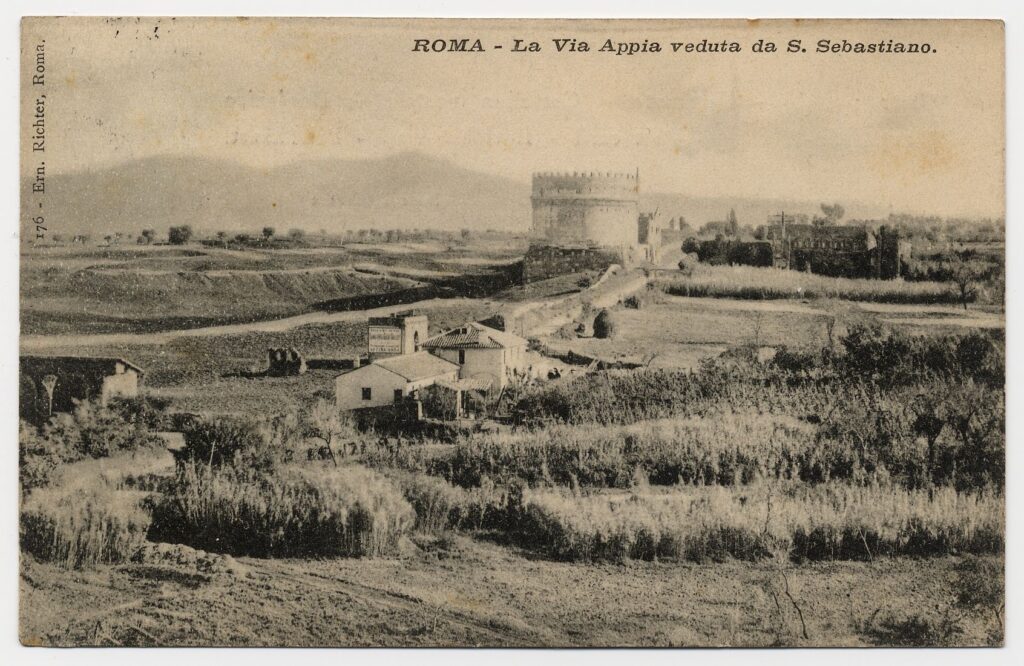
{"x": 410, "y": 332}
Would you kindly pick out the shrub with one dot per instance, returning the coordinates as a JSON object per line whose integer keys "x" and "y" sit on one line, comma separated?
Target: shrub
{"x": 91, "y": 431}
{"x": 290, "y": 512}
{"x": 83, "y": 527}
{"x": 829, "y": 522}
{"x": 242, "y": 442}
{"x": 725, "y": 450}
{"x": 604, "y": 325}
{"x": 179, "y": 235}
{"x": 917, "y": 630}
{"x": 980, "y": 587}
{"x": 95, "y": 431}
{"x": 634, "y": 302}
{"x": 750, "y": 282}
{"x": 39, "y": 458}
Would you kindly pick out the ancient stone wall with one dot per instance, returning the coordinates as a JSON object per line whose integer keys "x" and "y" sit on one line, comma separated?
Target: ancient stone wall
{"x": 546, "y": 261}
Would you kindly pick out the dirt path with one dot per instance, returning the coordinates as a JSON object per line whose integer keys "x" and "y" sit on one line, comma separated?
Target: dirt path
{"x": 561, "y": 311}
{"x": 33, "y": 343}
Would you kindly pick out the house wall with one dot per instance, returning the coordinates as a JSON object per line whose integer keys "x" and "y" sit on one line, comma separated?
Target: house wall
{"x": 479, "y": 363}
{"x": 348, "y": 388}
{"x": 123, "y": 385}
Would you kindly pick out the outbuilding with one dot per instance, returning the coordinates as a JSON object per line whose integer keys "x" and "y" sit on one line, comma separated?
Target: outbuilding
{"x": 51, "y": 384}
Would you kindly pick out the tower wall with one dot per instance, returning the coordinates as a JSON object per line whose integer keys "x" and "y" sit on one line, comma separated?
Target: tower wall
{"x": 585, "y": 209}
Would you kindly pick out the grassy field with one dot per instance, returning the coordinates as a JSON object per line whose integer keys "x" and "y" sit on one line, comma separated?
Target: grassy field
{"x": 149, "y": 288}
{"x": 749, "y": 282}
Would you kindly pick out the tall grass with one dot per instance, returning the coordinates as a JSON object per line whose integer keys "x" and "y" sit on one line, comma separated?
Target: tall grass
{"x": 95, "y": 512}
{"x": 82, "y": 527}
{"x": 825, "y": 522}
{"x": 755, "y": 283}
{"x": 291, "y": 511}
{"x": 724, "y": 449}
{"x": 440, "y": 506}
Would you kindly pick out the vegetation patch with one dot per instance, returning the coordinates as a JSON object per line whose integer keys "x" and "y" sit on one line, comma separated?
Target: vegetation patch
{"x": 756, "y": 283}
{"x": 307, "y": 511}
{"x": 827, "y": 522}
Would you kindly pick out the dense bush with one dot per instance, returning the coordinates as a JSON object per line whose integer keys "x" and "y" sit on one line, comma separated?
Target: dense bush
{"x": 91, "y": 431}
{"x": 829, "y": 522}
{"x": 923, "y": 410}
{"x": 604, "y": 325}
{"x": 756, "y": 283}
{"x": 722, "y": 450}
{"x": 313, "y": 510}
{"x": 440, "y": 506}
{"x": 82, "y": 527}
{"x": 242, "y": 442}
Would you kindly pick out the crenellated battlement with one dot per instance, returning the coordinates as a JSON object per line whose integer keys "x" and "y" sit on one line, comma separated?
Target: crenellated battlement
{"x": 583, "y": 174}
{"x": 584, "y": 185}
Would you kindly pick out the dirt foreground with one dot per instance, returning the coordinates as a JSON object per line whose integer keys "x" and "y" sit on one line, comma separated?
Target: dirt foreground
{"x": 463, "y": 591}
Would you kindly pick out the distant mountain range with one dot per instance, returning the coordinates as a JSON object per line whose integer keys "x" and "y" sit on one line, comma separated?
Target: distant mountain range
{"x": 407, "y": 190}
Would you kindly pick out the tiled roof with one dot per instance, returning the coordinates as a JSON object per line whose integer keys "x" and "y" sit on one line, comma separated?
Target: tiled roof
{"x": 474, "y": 336}
{"x": 414, "y": 367}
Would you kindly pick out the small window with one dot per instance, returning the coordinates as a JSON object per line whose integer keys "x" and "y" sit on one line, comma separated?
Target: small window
{"x": 462, "y": 356}
{"x": 398, "y": 395}
{"x": 367, "y": 393}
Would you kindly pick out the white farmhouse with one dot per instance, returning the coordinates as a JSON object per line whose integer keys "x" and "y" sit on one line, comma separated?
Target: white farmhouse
{"x": 481, "y": 352}
{"x": 388, "y": 380}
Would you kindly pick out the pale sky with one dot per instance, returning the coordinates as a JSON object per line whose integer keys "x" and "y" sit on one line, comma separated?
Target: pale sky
{"x": 915, "y": 132}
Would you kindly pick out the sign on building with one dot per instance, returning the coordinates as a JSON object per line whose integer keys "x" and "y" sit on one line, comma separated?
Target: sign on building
{"x": 385, "y": 340}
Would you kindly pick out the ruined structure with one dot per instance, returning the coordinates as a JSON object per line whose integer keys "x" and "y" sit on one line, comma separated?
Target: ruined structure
{"x": 587, "y": 220}
{"x": 838, "y": 250}
{"x": 853, "y": 251}
{"x": 282, "y": 362}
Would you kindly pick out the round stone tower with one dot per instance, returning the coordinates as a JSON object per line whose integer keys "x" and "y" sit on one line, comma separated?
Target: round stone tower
{"x": 585, "y": 209}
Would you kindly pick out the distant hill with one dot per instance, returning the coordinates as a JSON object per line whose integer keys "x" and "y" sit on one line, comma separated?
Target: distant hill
{"x": 402, "y": 191}
{"x": 407, "y": 190}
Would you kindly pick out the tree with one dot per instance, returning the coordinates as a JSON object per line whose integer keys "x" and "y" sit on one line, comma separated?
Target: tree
{"x": 148, "y": 235}
{"x": 604, "y": 325}
{"x": 296, "y": 234}
{"x": 222, "y": 236}
{"x": 179, "y": 235}
{"x": 268, "y": 233}
{"x": 325, "y": 423}
{"x": 965, "y": 276}
{"x": 833, "y": 213}
{"x": 732, "y": 225}
{"x": 49, "y": 383}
